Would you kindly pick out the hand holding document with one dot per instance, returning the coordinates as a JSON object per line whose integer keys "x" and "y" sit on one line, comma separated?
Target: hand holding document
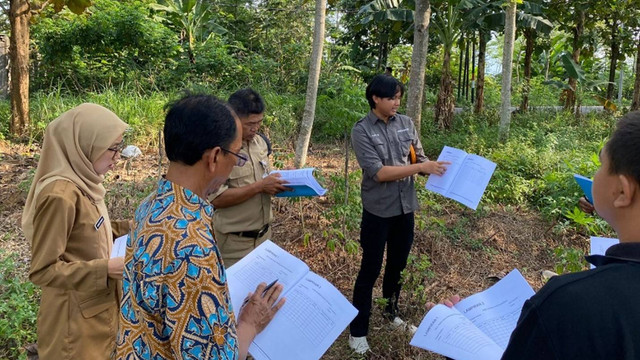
{"x": 301, "y": 181}
{"x": 119, "y": 246}
{"x": 466, "y": 177}
{"x": 311, "y": 319}
{"x": 478, "y": 327}
{"x": 599, "y": 245}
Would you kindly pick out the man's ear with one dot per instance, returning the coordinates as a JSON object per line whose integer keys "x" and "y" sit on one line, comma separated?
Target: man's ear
{"x": 628, "y": 188}
{"x": 212, "y": 158}
{"x": 376, "y": 99}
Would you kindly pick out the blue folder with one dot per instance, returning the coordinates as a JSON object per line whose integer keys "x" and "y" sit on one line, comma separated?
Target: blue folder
{"x": 586, "y": 185}
{"x": 300, "y": 190}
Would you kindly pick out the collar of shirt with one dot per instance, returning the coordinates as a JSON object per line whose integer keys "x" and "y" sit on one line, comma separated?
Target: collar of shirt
{"x": 619, "y": 253}
{"x": 373, "y": 118}
{"x": 168, "y": 190}
{"x": 253, "y": 141}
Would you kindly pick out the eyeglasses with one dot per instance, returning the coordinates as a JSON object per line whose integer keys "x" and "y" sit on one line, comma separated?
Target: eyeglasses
{"x": 241, "y": 158}
{"x": 117, "y": 148}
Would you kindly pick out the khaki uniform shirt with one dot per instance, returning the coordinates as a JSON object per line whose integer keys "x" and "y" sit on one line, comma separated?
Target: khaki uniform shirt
{"x": 78, "y": 314}
{"x": 255, "y": 212}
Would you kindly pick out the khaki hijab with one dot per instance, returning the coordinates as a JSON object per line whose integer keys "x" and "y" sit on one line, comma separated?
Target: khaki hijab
{"x": 71, "y": 144}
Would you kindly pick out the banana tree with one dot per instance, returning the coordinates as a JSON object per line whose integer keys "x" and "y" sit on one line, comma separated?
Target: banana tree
{"x": 389, "y": 17}
{"x": 582, "y": 84}
{"x": 446, "y": 24}
{"x": 192, "y": 19}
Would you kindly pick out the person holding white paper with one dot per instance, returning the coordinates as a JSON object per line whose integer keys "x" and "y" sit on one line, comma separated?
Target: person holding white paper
{"x": 67, "y": 223}
{"x": 383, "y": 142}
{"x": 243, "y": 215}
{"x": 176, "y": 302}
{"x": 594, "y": 314}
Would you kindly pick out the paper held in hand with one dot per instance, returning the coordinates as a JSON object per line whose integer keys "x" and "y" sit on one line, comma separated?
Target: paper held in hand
{"x": 315, "y": 312}
{"x": 119, "y": 246}
{"x": 301, "y": 181}
{"x": 478, "y": 327}
{"x": 599, "y": 245}
{"x": 466, "y": 177}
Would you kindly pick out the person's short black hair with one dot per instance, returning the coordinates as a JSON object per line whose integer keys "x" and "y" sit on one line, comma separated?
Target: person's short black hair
{"x": 246, "y": 102}
{"x": 623, "y": 149}
{"x": 196, "y": 123}
{"x": 383, "y": 86}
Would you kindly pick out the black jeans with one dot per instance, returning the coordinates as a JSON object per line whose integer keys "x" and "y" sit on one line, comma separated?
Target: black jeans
{"x": 397, "y": 233}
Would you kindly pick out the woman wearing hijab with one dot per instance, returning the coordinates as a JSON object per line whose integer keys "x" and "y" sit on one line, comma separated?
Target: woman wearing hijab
{"x": 66, "y": 221}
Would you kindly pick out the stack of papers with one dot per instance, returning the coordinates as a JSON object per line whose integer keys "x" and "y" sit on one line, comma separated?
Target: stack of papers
{"x": 301, "y": 181}
{"x": 313, "y": 316}
{"x": 478, "y": 327}
{"x": 465, "y": 179}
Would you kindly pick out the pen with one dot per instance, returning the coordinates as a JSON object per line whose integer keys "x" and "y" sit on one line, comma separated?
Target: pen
{"x": 269, "y": 287}
{"x": 263, "y": 291}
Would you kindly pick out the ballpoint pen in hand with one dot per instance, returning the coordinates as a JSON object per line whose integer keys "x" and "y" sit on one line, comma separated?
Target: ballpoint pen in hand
{"x": 263, "y": 291}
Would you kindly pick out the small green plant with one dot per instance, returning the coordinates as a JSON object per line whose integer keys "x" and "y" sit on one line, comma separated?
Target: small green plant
{"x": 415, "y": 275}
{"x": 569, "y": 259}
{"x": 582, "y": 219}
{"x": 18, "y": 308}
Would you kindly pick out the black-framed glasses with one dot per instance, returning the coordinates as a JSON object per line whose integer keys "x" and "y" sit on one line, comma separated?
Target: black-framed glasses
{"x": 117, "y": 148}
{"x": 241, "y": 158}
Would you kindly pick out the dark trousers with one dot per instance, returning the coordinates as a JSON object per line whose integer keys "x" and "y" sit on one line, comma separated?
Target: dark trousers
{"x": 397, "y": 233}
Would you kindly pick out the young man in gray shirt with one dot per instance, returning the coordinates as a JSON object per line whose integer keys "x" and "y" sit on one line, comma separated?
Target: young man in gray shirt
{"x": 383, "y": 141}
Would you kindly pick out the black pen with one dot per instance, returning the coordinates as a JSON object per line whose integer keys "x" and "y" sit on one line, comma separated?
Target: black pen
{"x": 269, "y": 287}
{"x": 263, "y": 291}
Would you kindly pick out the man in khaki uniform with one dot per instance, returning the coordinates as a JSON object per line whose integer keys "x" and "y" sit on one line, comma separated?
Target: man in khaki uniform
{"x": 242, "y": 216}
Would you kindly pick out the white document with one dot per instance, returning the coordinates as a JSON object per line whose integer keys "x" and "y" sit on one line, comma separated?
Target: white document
{"x": 478, "y": 327}
{"x": 119, "y": 246}
{"x": 301, "y": 181}
{"x": 313, "y": 316}
{"x": 599, "y": 245}
{"x": 466, "y": 177}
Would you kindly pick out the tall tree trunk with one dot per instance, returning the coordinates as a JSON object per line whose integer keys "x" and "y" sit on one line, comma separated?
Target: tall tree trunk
{"x": 459, "y": 84}
{"x": 418, "y": 61}
{"x": 547, "y": 64}
{"x": 19, "y": 16}
{"x": 466, "y": 71}
{"x": 507, "y": 67}
{"x": 312, "y": 85}
{"x": 635, "y": 105}
{"x": 446, "y": 101}
{"x": 615, "y": 49}
{"x": 529, "y": 35}
{"x": 570, "y": 100}
{"x": 482, "y": 51}
{"x": 473, "y": 68}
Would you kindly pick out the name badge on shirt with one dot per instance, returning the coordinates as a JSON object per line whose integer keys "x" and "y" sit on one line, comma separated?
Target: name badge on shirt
{"x": 99, "y": 223}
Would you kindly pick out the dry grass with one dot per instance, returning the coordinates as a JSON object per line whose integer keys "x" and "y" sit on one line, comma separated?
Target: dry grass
{"x": 468, "y": 250}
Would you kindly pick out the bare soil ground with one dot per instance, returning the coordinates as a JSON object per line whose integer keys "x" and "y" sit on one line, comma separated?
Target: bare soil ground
{"x": 468, "y": 250}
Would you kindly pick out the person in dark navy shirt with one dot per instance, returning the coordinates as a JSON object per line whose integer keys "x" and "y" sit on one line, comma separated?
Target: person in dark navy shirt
{"x": 594, "y": 314}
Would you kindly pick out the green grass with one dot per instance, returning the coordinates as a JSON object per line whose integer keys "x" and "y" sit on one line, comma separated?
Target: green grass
{"x": 18, "y": 307}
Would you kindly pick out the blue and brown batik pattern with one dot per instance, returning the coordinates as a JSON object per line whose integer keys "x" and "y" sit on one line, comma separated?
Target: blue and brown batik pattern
{"x": 175, "y": 302}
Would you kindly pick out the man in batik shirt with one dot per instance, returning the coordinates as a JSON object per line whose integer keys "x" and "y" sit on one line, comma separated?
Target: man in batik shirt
{"x": 176, "y": 302}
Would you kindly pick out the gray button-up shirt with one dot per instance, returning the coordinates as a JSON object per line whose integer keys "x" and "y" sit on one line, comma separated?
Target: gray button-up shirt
{"x": 377, "y": 144}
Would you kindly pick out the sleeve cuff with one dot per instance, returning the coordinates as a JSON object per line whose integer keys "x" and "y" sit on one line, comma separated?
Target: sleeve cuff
{"x": 101, "y": 274}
